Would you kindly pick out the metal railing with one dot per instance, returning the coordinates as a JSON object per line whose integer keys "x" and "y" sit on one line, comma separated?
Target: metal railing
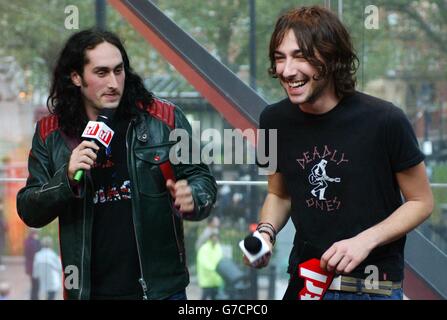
{"x": 224, "y": 182}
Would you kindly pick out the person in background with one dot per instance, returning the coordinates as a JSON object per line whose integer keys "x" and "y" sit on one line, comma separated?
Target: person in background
{"x": 32, "y": 246}
{"x": 3, "y": 231}
{"x": 5, "y": 289}
{"x": 208, "y": 258}
{"x": 212, "y": 226}
{"x": 47, "y": 270}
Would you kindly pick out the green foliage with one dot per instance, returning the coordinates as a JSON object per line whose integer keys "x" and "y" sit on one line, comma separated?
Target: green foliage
{"x": 440, "y": 194}
{"x": 33, "y": 32}
{"x": 415, "y": 44}
{"x": 223, "y": 28}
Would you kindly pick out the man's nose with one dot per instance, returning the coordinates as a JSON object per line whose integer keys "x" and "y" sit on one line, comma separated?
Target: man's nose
{"x": 112, "y": 83}
{"x": 289, "y": 69}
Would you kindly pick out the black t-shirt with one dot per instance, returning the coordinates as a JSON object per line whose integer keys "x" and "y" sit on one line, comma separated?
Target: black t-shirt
{"x": 115, "y": 264}
{"x": 339, "y": 169}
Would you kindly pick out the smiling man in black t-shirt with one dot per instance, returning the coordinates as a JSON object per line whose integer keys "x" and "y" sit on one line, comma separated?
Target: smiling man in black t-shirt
{"x": 344, "y": 158}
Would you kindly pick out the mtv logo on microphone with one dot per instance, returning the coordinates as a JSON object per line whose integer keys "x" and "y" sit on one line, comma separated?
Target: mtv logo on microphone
{"x": 91, "y": 129}
{"x": 105, "y": 136}
{"x": 98, "y": 131}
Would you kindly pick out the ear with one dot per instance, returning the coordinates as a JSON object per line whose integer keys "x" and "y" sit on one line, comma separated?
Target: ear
{"x": 76, "y": 79}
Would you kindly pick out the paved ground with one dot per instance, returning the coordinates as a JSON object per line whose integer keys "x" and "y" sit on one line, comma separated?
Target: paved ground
{"x": 14, "y": 275}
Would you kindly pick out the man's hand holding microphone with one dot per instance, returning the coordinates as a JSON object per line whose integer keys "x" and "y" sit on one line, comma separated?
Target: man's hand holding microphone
{"x": 82, "y": 158}
{"x": 96, "y": 133}
{"x": 258, "y": 247}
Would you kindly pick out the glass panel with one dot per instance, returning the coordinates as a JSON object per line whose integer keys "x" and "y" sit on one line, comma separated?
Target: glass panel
{"x": 223, "y": 28}
{"x": 403, "y": 60}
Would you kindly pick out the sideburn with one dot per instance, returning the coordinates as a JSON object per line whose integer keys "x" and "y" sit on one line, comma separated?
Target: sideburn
{"x": 84, "y": 84}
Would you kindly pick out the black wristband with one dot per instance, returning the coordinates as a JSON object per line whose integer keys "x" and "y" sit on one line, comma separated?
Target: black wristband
{"x": 272, "y": 241}
{"x": 269, "y": 225}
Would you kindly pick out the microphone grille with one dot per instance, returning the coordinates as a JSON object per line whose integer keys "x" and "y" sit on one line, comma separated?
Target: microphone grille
{"x": 252, "y": 244}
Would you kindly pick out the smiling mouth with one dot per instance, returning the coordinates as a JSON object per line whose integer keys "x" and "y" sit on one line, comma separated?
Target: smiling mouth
{"x": 297, "y": 84}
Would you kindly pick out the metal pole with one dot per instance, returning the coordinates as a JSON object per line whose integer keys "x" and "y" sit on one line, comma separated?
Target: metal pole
{"x": 340, "y": 10}
{"x": 100, "y": 14}
{"x": 253, "y": 275}
{"x": 272, "y": 283}
{"x": 252, "y": 6}
{"x": 426, "y": 124}
{"x": 441, "y": 131}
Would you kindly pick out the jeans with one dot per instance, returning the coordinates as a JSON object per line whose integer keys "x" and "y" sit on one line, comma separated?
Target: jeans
{"x": 396, "y": 294}
{"x": 181, "y": 295}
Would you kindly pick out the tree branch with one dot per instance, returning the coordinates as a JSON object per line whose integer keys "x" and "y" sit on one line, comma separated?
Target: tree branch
{"x": 442, "y": 9}
{"x": 437, "y": 38}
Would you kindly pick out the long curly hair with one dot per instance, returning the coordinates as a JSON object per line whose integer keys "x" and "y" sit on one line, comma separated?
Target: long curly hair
{"x": 65, "y": 99}
{"x": 319, "y": 31}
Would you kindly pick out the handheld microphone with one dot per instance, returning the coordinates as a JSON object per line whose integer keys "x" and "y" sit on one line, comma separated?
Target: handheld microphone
{"x": 98, "y": 131}
{"x": 254, "y": 246}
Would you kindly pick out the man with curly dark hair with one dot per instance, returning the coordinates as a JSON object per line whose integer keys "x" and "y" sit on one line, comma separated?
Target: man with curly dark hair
{"x": 121, "y": 227}
{"x": 344, "y": 158}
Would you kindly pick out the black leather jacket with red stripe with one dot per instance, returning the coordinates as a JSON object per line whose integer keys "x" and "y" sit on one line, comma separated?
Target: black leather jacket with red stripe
{"x": 158, "y": 229}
